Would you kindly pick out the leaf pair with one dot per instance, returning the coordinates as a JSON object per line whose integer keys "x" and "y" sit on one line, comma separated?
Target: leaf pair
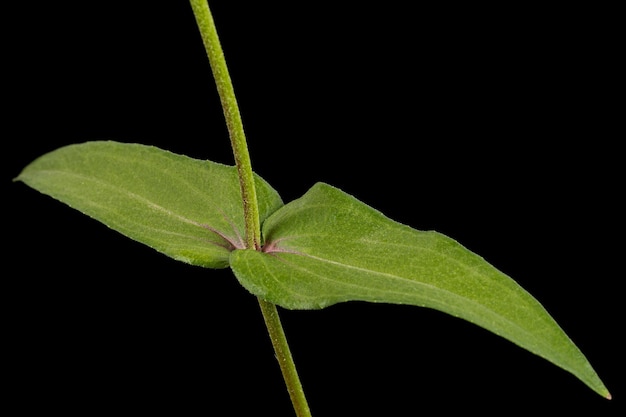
{"x": 324, "y": 248}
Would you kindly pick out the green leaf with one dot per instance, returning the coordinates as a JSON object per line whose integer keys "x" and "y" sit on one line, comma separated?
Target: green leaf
{"x": 327, "y": 247}
{"x": 188, "y": 209}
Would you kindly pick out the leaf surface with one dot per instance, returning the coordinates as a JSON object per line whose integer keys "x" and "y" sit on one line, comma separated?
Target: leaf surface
{"x": 188, "y": 209}
{"x": 327, "y": 247}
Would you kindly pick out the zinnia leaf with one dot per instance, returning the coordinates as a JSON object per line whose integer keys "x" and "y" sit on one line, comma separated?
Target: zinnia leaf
{"x": 327, "y": 247}
{"x": 188, "y": 209}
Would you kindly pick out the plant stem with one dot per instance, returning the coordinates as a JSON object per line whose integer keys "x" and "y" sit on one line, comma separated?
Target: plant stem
{"x": 285, "y": 360}
{"x": 211, "y": 41}
{"x": 213, "y": 47}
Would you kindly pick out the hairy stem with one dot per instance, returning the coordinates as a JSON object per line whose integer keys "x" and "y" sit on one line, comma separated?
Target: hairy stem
{"x": 205, "y": 22}
{"x": 213, "y": 47}
{"x": 285, "y": 360}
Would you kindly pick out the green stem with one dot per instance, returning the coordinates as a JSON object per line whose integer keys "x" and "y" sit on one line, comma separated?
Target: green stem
{"x": 205, "y": 22}
{"x": 285, "y": 360}
{"x": 213, "y": 47}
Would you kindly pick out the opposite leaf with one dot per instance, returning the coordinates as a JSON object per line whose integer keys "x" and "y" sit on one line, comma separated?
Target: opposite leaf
{"x": 327, "y": 247}
{"x": 188, "y": 209}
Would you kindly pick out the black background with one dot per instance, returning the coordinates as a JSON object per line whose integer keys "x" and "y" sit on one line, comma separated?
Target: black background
{"x": 494, "y": 126}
